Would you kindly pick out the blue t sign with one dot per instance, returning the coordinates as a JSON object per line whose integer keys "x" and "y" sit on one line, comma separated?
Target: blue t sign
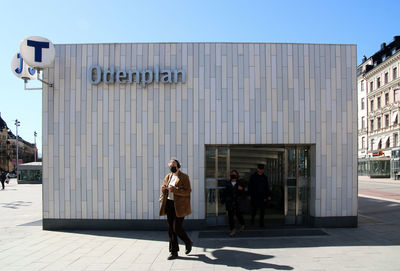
{"x": 38, "y": 45}
{"x": 21, "y": 66}
{"x": 37, "y": 52}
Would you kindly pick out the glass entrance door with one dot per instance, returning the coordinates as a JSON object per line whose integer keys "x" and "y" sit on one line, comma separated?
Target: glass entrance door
{"x": 220, "y": 160}
{"x": 297, "y": 176}
{"x": 217, "y": 172}
{"x": 288, "y": 172}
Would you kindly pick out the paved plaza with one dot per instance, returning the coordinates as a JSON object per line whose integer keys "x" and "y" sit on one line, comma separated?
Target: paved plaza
{"x": 374, "y": 245}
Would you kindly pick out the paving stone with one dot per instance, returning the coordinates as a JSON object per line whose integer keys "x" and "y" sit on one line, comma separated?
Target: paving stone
{"x": 373, "y": 245}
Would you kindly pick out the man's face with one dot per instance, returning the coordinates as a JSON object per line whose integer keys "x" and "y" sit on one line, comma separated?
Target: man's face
{"x": 260, "y": 171}
{"x": 172, "y": 163}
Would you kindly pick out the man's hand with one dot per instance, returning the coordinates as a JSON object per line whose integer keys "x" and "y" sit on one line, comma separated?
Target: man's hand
{"x": 172, "y": 189}
{"x": 240, "y": 187}
{"x": 163, "y": 188}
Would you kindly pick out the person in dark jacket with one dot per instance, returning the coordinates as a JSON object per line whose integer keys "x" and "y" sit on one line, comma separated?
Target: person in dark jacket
{"x": 3, "y": 179}
{"x": 259, "y": 193}
{"x": 231, "y": 195}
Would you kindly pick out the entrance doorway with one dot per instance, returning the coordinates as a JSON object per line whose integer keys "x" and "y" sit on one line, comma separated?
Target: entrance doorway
{"x": 288, "y": 172}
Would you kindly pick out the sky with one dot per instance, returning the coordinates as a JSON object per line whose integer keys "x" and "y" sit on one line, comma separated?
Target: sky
{"x": 365, "y": 23}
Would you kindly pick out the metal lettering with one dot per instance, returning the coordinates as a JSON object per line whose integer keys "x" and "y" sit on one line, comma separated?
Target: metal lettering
{"x": 94, "y": 70}
{"x": 144, "y": 77}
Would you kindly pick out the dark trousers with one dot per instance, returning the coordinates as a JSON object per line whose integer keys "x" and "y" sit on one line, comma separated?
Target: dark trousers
{"x": 231, "y": 215}
{"x": 257, "y": 203}
{"x": 2, "y": 184}
{"x": 175, "y": 228}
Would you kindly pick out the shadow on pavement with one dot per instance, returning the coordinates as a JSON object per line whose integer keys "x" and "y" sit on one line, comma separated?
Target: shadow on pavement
{"x": 15, "y": 204}
{"x": 234, "y": 258}
{"x": 379, "y": 222}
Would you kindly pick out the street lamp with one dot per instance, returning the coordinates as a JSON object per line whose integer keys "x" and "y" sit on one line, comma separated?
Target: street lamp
{"x": 35, "y": 135}
{"x": 17, "y": 124}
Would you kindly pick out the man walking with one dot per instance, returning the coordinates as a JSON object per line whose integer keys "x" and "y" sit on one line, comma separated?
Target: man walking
{"x": 259, "y": 193}
{"x": 176, "y": 205}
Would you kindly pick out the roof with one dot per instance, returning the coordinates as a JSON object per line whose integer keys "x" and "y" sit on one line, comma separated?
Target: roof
{"x": 30, "y": 166}
{"x": 3, "y": 124}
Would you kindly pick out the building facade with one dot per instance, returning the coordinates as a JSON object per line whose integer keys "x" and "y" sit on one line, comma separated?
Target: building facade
{"x": 378, "y": 103}
{"x": 119, "y": 112}
{"x": 8, "y": 149}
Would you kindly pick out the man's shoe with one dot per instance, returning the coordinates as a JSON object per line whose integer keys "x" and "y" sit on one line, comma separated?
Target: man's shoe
{"x": 189, "y": 248}
{"x": 173, "y": 256}
{"x": 233, "y": 233}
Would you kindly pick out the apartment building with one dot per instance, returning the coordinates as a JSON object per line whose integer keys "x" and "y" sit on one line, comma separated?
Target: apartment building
{"x": 378, "y": 87}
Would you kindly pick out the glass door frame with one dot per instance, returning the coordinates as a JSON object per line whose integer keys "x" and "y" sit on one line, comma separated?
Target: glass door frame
{"x": 299, "y": 217}
{"x": 294, "y": 185}
{"x": 220, "y": 217}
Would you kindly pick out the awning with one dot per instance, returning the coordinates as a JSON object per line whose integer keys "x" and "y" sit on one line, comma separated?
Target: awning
{"x": 394, "y": 117}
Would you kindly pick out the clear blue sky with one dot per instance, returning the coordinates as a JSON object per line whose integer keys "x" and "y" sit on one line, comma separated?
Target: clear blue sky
{"x": 365, "y": 23}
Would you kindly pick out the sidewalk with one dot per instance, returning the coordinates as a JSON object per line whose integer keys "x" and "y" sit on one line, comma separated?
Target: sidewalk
{"x": 374, "y": 245}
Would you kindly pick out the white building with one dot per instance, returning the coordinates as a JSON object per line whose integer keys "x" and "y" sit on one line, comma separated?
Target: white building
{"x": 213, "y": 106}
{"x": 378, "y": 103}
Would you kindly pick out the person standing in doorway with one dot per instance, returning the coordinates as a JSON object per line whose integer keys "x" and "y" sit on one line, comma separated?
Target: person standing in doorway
{"x": 259, "y": 193}
{"x": 176, "y": 205}
{"x": 231, "y": 195}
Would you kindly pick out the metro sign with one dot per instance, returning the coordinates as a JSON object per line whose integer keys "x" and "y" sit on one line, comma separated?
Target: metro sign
{"x": 37, "y": 52}
{"x": 21, "y": 69}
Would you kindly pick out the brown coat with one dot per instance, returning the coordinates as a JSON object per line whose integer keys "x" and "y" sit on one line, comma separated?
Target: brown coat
{"x": 181, "y": 195}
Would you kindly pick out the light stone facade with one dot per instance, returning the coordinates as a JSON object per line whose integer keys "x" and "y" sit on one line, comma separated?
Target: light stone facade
{"x": 106, "y": 146}
{"x": 381, "y": 107}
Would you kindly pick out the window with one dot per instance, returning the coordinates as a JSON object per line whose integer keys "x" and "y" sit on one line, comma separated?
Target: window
{"x": 379, "y": 122}
{"x": 378, "y": 82}
{"x": 379, "y": 102}
{"x": 372, "y": 144}
{"x": 362, "y": 85}
{"x": 386, "y": 78}
{"x": 380, "y": 145}
{"x": 371, "y": 86}
{"x": 395, "y": 140}
{"x": 396, "y": 95}
{"x": 362, "y": 122}
{"x": 363, "y": 142}
{"x": 372, "y": 125}
{"x": 372, "y": 105}
{"x": 394, "y": 73}
{"x": 386, "y": 121}
{"x": 387, "y": 143}
{"x": 386, "y": 98}
{"x": 362, "y": 103}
